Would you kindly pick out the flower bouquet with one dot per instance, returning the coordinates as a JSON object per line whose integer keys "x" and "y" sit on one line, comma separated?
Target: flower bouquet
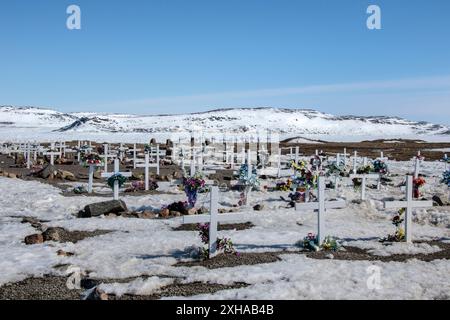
{"x": 192, "y": 185}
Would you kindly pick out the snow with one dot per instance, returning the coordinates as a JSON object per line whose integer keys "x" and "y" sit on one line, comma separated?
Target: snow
{"x": 150, "y": 248}
{"x": 30, "y": 124}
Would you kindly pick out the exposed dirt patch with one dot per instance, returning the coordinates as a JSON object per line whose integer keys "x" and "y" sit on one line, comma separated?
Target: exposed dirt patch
{"x": 55, "y": 288}
{"x": 357, "y": 254}
{"x": 46, "y": 288}
{"x": 233, "y": 260}
{"x": 182, "y": 289}
{"x": 75, "y": 236}
{"x": 221, "y": 227}
{"x": 398, "y": 149}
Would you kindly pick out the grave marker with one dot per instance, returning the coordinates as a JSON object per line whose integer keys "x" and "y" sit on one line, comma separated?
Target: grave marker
{"x": 321, "y": 207}
{"x": 213, "y": 219}
{"x": 409, "y": 205}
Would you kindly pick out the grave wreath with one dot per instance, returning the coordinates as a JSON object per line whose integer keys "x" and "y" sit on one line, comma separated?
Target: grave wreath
{"x": 335, "y": 169}
{"x": 91, "y": 159}
{"x": 446, "y": 178}
{"x": 116, "y": 177}
{"x": 246, "y": 179}
{"x": 380, "y": 167}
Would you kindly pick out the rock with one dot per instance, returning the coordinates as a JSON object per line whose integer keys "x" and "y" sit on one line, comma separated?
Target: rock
{"x": 97, "y": 294}
{"x": 175, "y": 213}
{"x": 35, "y": 223}
{"x": 47, "y": 173}
{"x": 12, "y": 175}
{"x": 97, "y": 175}
{"x": 65, "y": 175}
{"x": 34, "y": 239}
{"x": 438, "y": 200}
{"x": 64, "y": 253}
{"x": 103, "y": 208}
{"x": 202, "y": 210}
{"x": 53, "y": 234}
{"x": 329, "y": 256}
{"x": 147, "y": 215}
{"x": 164, "y": 213}
{"x": 191, "y": 211}
{"x": 177, "y": 175}
{"x": 258, "y": 207}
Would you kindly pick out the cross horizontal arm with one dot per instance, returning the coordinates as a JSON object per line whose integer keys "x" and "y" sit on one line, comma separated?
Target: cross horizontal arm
{"x": 315, "y": 205}
{"x": 367, "y": 176}
{"x": 206, "y": 218}
{"x": 404, "y": 204}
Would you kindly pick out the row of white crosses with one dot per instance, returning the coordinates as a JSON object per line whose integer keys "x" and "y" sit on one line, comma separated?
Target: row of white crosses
{"x": 409, "y": 204}
{"x": 320, "y": 206}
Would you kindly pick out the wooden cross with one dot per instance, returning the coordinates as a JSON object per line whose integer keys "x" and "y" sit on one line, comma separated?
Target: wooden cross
{"x": 52, "y": 153}
{"x": 146, "y": 166}
{"x": 106, "y": 156}
{"x": 363, "y": 177}
{"x": 121, "y": 151}
{"x": 116, "y": 183}
{"x": 418, "y": 159}
{"x": 355, "y": 158}
{"x": 321, "y": 207}
{"x": 382, "y": 157}
{"x": 213, "y": 219}
{"x": 92, "y": 168}
{"x": 409, "y": 204}
{"x": 134, "y": 150}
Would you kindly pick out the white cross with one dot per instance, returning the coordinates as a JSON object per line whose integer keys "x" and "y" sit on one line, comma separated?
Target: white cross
{"x": 122, "y": 151}
{"x": 213, "y": 219}
{"x": 321, "y": 206}
{"x": 106, "y": 156}
{"x": 134, "y": 150}
{"x": 409, "y": 204}
{"x": 417, "y": 165}
{"x": 52, "y": 153}
{"x": 363, "y": 177}
{"x": 92, "y": 168}
{"x": 116, "y": 183}
{"x": 382, "y": 157}
{"x": 355, "y": 157}
{"x": 146, "y": 166}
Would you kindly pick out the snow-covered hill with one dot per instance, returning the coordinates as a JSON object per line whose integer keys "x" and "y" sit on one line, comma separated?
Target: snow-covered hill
{"x": 35, "y": 123}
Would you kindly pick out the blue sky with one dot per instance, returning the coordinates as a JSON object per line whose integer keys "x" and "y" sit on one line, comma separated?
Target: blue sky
{"x": 166, "y": 56}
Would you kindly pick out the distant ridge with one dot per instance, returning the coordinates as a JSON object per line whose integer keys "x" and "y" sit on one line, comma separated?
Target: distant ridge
{"x": 287, "y": 122}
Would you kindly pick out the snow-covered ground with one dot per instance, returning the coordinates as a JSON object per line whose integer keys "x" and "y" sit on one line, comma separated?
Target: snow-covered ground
{"x": 140, "y": 247}
{"x": 30, "y": 124}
